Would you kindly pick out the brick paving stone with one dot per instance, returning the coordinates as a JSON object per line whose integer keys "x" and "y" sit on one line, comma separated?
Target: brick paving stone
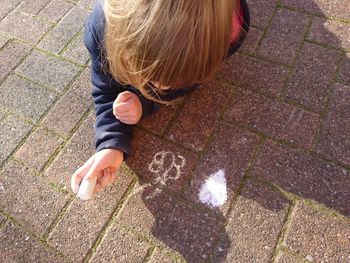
{"x": 66, "y": 29}
{"x": 323, "y": 7}
{"x": 32, "y": 7}
{"x": 84, "y": 220}
{"x": 120, "y": 246}
{"x": 330, "y": 32}
{"x": 159, "y": 121}
{"x": 261, "y": 11}
{"x": 24, "y": 26}
{"x": 276, "y": 119}
{"x": 254, "y": 226}
{"x": 250, "y": 43}
{"x": 55, "y": 10}
{"x": 10, "y": 56}
{"x": 334, "y": 140}
{"x": 344, "y": 72}
{"x": 39, "y": 147}
{"x": 70, "y": 108}
{"x": 254, "y": 73}
{"x": 28, "y": 198}
{"x": 284, "y": 36}
{"x": 77, "y": 51}
{"x": 87, "y": 3}
{"x": 177, "y": 164}
{"x": 316, "y": 235}
{"x": 175, "y": 224}
{"x": 3, "y": 220}
{"x": 230, "y": 151}
{"x": 304, "y": 175}
{"x": 48, "y": 70}
{"x": 79, "y": 149}
{"x": 7, "y": 6}
{"x": 163, "y": 257}
{"x": 3, "y": 40}
{"x": 18, "y": 246}
{"x": 311, "y": 76}
{"x": 12, "y": 131}
{"x": 25, "y": 98}
{"x": 200, "y": 115}
{"x": 287, "y": 258}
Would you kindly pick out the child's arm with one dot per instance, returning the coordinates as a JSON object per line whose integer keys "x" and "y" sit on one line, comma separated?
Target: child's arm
{"x": 112, "y": 136}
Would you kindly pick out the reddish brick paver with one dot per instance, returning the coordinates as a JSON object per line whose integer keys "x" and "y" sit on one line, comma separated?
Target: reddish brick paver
{"x": 271, "y": 131}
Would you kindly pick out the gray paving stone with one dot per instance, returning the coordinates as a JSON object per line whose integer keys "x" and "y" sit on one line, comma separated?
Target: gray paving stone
{"x": 39, "y": 147}
{"x": 7, "y": 6}
{"x": 48, "y": 70}
{"x": 163, "y": 256}
{"x": 17, "y": 246}
{"x": 32, "y": 7}
{"x": 79, "y": 149}
{"x": 261, "y": 11}
{"x": 318, "y": 236}
{"x": 66, "y": 29}
{"x": 55, "y": 10}
{"x": 10, "y": 56}
{"x": 86, "y": 219}
{"x": 71, "y": 107}
{"x": 322, "y": 7}
{"x": 257, "y": 74}
{"x": 28, "y": 198}
{"x": 311, "y": 76}
{"x": 87, "y": 3}
{"x": 344, "y": 72}
{"x": 3, "y": 40}
{"x": 304, "y": 175}
{"x": 131, "y": 250}
{"x": 77, "y": 51}
{"x": 287, "y": 258}
{"x": 21, "y": 96}
{"x": 330, "y": 32}
{"x": 334, "y": 141}
{"x": 24, "y": 26}
{"x": 277, "y": 44}
{"x": 12, "y": 131}
{"x": 254, "y": 226}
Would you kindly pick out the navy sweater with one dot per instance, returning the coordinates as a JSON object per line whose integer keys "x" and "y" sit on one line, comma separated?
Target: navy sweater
{"x": 109, "y": 131}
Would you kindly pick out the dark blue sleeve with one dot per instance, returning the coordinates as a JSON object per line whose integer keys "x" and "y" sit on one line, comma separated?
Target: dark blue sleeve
{"x": 109, "y": 131}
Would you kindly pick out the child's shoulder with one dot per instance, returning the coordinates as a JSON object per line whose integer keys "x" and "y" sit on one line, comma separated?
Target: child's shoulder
{"x": 96, "y": 21}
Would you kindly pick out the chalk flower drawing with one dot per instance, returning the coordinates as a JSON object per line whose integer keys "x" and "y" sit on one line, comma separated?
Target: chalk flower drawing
{"x": 214, "y": 190}
{"x": 163, "y": 172}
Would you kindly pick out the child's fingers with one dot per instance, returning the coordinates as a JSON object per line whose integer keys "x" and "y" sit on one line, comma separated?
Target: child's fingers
{"x": 124, "y": 96}
{"x": 106, "y": 179}
{"x": 121, "y": 107}
{"x": 78, "y": 175}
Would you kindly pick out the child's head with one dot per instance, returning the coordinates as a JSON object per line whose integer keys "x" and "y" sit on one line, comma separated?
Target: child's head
{"x": 176, "y": 43}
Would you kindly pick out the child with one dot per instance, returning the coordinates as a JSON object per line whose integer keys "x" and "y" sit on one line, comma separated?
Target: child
{"x": 145, "y": 53}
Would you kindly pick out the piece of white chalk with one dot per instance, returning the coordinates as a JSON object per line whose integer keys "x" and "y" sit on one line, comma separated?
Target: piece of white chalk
{"x": 86, "y": 188}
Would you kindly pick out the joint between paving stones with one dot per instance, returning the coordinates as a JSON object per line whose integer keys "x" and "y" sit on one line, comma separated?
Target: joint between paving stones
{"x": 292, "y": 65}
{"x": 29, "y": 232}
{"x": 69, "y": 44}
{"x": 327, "y": 102}
{"x": 111, "y": 221}
{"x": 58, "y": 219}
{"x": 284, "y": 230}
{"x": 150, "y": 253}
{"x": 334, "y": 18}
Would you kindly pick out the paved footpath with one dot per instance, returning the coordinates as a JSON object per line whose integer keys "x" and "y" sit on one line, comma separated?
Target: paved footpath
{"x": 270, "y": 135}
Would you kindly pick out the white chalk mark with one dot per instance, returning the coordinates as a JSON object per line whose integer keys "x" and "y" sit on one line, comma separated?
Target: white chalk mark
{"x": 214, "y": 190}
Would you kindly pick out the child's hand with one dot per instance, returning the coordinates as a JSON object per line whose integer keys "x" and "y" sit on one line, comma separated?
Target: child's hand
{"x": 127, "y": 108}
{"x": 102, "y": 164}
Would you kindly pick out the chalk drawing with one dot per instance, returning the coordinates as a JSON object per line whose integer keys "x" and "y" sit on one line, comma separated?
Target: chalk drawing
{"x": 162, "y": 171}
{"x": 214, "y": 190}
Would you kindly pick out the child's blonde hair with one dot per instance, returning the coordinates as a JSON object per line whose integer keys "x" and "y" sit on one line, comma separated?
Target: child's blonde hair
{"x": 176, "y": 43}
